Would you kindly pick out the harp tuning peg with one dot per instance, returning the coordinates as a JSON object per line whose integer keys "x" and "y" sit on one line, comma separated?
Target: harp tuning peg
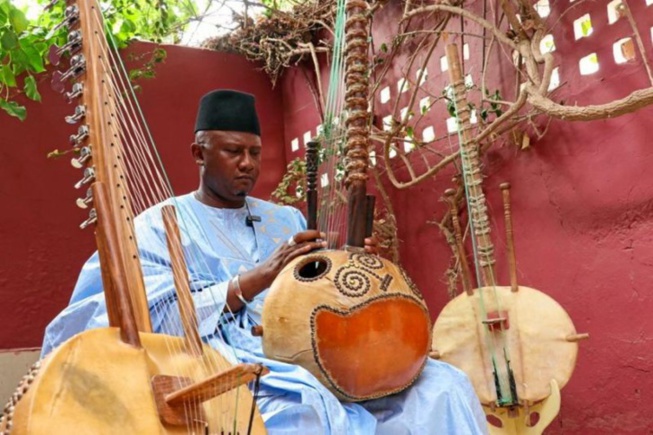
{"x": 77, "y": 67}
{"x": 71, "y": 17}
{"x": 89, "y": 174}
{"x": 50, "y": 5}
{"x": 82, "y": 133}
{"x": 92, "y": 218}
{"x": 84, "y": 202}
{"x": 75, "y": 92}
{"x": 84, "y": 155}
{"x": 80, "y": 112}
{"x": 73, "y": 45}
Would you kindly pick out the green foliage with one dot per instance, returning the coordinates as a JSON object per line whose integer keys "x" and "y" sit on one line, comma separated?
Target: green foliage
{"x": 24, "y": 43}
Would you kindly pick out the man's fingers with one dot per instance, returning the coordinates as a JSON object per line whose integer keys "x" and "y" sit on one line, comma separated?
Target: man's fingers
{"x": 307, "y": 236}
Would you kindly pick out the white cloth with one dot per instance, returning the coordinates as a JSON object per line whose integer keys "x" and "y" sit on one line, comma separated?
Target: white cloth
{"x": 218, "y": 244}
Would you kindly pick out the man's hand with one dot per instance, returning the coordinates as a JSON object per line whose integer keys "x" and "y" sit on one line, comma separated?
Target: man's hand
{"x": 261, "y": 277}
{"x": 371, "y": 246}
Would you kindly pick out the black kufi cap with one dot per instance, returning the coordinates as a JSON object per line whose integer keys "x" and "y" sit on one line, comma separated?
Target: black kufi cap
{"x": 227, "y": 110}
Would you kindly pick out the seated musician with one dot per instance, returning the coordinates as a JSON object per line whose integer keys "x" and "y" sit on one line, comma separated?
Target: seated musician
{"x": 244, "y": 256}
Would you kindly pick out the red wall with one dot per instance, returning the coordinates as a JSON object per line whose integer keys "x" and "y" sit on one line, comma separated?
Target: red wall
{"x": 582, "y": 201}
{"x": 41, "y": 247}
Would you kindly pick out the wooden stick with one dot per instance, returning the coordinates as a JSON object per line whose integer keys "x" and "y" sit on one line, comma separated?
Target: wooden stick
{"x": 117, "y": 292}
{"x": 369, "y": 222}
{"x": 311, "y": 184}
{"x": 450, "y": 194}
{"x": 577, "y": 337}
{"x": 510, "y": 241}
{"x": 216, "y": 385}
{"x": 182, "y": 287}
{"x": 471, "y": 173}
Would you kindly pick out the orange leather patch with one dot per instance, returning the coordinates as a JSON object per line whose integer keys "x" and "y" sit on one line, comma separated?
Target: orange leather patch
{"x": 379, "y": 347}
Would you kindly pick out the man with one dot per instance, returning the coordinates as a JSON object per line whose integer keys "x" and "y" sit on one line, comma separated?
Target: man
{"x": 232, "y": 260}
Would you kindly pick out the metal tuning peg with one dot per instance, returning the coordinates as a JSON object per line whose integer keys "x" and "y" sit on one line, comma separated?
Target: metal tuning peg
{"x": 89, "y": 174}
{"x": 92, "y": 218}
{"x": 82, "y": 133}
{"x": 71, "y": 17}
{"x": 50, "y": 5}
{"x": 84, "y": 202}
{"x": 84, "y": 155}
{"x": 77, "y": 66}
{"x": 76, "y": 92}
{"x": 80, "y": 112}
{"x": 73, "y": 45}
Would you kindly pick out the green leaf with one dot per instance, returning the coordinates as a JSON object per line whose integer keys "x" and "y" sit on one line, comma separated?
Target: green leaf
{"x": 8, "y": 40}
{"x": 384, "y": 47}
{"x": 34, "y": 58}
{"x": 8, "y": 77}
{"x": 13, "y": 109}
{"x": 18, "y": 20}
{"x": 31, "y": 90}
{"x": 410, "y": 132}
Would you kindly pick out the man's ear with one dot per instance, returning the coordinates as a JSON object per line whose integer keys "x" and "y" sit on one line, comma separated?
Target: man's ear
{"x": 198, "y": 153}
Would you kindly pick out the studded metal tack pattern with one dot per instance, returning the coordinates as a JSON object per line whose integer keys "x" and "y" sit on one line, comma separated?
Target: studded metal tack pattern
{"x": 352, "y": 281}
{"x": 410, "y": 283}
{"x": 367, "y": 260}
{"x": 23, "y": 386}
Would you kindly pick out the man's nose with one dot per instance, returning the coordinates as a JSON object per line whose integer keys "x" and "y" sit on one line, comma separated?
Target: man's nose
{"x": 247, "y": 162}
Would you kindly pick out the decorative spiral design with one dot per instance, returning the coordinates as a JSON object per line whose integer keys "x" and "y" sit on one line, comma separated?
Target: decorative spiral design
{"x": 367, "y": 260}
{"x": 352, "y": 282}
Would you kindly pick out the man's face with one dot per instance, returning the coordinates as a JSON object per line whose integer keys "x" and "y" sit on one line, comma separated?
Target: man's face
{"x": 231, "y": 162}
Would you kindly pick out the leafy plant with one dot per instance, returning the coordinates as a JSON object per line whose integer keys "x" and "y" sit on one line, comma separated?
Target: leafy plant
{"x": 24, "y": 43}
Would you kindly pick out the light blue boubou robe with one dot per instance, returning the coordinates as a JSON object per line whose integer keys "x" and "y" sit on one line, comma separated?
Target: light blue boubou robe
{"x": 218, "y": 244}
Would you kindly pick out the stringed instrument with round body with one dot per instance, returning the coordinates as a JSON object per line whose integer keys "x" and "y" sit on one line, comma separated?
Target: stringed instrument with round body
{"x": 125, "y": 378}
{"x": 354, "y": 320}
{"x": 517, "y": 345}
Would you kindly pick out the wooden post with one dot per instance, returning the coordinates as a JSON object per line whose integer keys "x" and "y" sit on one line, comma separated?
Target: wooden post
{"x": 311, "y": 184}
{"x": 116, "y": 292}
{"x": 458, "y": 237}
{"x": 510, "y": 241}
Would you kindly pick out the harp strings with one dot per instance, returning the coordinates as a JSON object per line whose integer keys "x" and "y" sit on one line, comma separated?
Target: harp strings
{"x": 136, "y": 158}
{"x": 332, "y": 211}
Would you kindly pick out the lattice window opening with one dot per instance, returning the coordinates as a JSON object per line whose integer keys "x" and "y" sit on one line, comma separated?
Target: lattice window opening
{"x": 444, "y": 64}
{"x": 428, "y": 134}
{"x": 372, "y": 157}
{"x": 589, "y": 64}
{"x": 406, "y": 114}
{"x": 649, "y": 2}
{"x": 387, "y": 123}
{"x": 324, "y": 180}
{"x": 615, "y": 11}
{"x": 392, "y": 152}
{"x": 583, "y": 27}
{"x": 294, "y": 144}
{"x": 554, "y": 83}
{"x": 624, "y": 51}
{"x": 421, "y": 75}
{"x": 409, "y": 145}
{"x": 308, "y": 136}
{"x": 384, "y": 95}
{"x": 547, "y": 44}
{"x": 543, "y": 8}
{"x": 403, "y": 85}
